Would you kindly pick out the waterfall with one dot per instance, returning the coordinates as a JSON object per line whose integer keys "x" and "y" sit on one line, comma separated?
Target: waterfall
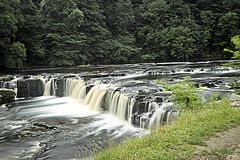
{"x": 120, "y": 104}
{"x": 122, "y": 107}
{"x": 94, "y": 98}
{"x": 130, "y": 110}
{"x": 78, "y": 85}
{"x": 70, "y": 85}
{"x": 82, "y": 93}
{"x": 162, "y": 115}
{"x": 113, "y": 103}
{"x": 50, "y": 88}
{"x": 143, "y": 113}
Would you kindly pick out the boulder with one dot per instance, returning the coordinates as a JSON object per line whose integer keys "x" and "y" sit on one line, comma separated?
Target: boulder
{"x": 6, "y": 95}
{"x": 30, "y": 88}
{"x": 6, "y": 78}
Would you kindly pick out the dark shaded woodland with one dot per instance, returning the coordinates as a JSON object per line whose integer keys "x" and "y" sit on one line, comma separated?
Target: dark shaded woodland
{"x": 75, "y": 32}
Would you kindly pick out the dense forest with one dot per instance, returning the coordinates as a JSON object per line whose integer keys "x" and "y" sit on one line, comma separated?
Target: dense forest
{"x": 75, "y": 32}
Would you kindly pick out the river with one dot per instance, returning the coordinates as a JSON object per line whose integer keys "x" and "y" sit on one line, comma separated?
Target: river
{"x": 97, "y": 107}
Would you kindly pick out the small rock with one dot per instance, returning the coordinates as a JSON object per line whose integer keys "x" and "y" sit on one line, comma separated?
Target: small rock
{"x": 158, "y": 99}
{"x": 235, "y": 104}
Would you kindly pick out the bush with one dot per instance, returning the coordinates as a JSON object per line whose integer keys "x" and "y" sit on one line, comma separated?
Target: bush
{"x": 184, "y": 94}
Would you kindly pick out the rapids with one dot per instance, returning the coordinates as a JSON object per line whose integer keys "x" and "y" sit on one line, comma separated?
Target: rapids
{"x": 83, "y": 110}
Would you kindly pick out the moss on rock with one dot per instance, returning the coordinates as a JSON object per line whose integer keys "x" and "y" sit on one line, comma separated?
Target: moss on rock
{"x": 7, "y": 95}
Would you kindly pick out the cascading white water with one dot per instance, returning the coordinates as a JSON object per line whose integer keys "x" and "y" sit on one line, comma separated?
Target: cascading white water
{"x": 70, "y": 85}
{"x": 49, "y": 88}
{"x": 114, "y": 103}
{"x": 78, "y": 85}
{"x": 157, "y": 118}
{"x": 94, "y": 98}
{"x": 130, "y": 110}
{"x": 111, "y": 98}
{"x": 122, "y": 107}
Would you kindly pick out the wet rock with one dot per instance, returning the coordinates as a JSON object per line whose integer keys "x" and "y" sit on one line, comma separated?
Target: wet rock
{"x": 188, "y": 70}
{"x": 6, "y": 95}
{"x": 158, "y": 99}
{"x": 26, "y": 77}
{"x": 60, "y": 90}
{"x": 88, "y": 88}
{"x": 142, "y": 107}
{"x": 6, "y": 78}
{"x": 30, "y": 88}
{"x": 1, "y": 84}
{"x": 9, "y": 85}
{"x": 70, "y": 76}
{"x": 164, "y": 93}
{"x": 40, "y": 125}
{"x": 208, "y": 85}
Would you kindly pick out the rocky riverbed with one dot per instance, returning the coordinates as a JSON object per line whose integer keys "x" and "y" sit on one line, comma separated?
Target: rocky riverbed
{"x": 85, "y": 110}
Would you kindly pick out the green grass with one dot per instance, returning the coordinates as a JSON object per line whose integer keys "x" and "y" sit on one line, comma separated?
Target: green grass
{"x": 176, "y": 141}
{"x": 221, "y": 153}
{"x": 217, "y": 154}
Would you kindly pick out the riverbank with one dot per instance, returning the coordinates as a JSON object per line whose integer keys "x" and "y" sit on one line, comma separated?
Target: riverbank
{"x": 223, "y": 146}
{"x": 178, "y": 140}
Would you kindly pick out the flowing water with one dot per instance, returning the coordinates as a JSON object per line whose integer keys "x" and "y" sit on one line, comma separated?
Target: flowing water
{"x": 83, "y": 111}
{"x": 58, "y": 128}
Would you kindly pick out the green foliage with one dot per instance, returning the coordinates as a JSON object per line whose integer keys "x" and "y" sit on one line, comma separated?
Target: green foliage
{"x": 63, "y": 42}
{"x": 236, "y": 53}
{"x": 176, "y": 141}
{"x": 16, "y": 56}
{"x": 228, "y": 25}
{"x": 123, "y": 50}
{"x": 236, "y": 42}
{"x": 9, "y": 13}
{"x": 185, "y": 95}
{"x": 66, "y": 33}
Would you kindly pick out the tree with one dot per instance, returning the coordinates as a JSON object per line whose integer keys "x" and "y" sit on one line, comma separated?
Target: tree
{"x": 16, "y": 56}
{"x": 66, "y": 33}
{"x": 228, "y": 26}
{"x": 235, "y": 52}
{"x": 63, "y": 42}
{"x": 236, "y": 42}
{"x": 95, "y": 29}
{"x": 8, "y": 25}
{"x": 31, "y": 31}
{"x": 119, "y": 20}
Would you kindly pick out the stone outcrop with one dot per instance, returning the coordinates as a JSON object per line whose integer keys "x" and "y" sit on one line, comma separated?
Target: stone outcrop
{"x": 30, "y": 88}
{"x": 6, "y": 95}
{"x": 60, "y": 87}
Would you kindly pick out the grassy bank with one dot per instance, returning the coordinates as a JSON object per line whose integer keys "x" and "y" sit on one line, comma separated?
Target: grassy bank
{"x": 176, "y": 141}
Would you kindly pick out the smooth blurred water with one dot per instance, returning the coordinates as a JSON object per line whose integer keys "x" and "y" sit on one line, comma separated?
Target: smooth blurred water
{"x": 62, "y": 128}
{"x": 57, "y": 128}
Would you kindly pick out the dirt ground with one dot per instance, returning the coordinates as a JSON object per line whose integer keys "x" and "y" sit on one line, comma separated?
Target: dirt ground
{"x": 224, "y": 146}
